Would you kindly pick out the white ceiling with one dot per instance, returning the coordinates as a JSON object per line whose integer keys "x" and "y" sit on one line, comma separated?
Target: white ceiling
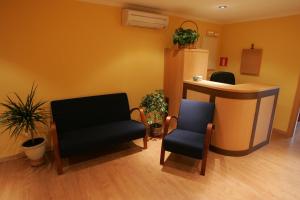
{"x": 238, "y": 10}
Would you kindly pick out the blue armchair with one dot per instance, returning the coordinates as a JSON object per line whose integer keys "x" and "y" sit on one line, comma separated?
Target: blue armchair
{"x": 193, "y": 132}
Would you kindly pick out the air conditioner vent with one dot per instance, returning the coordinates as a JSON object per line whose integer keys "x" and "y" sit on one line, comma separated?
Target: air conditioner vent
{"x": 144, "y": 19}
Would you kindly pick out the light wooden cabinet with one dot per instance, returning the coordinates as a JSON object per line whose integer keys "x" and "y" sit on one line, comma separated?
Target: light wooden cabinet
{"x": 182, "y": 64}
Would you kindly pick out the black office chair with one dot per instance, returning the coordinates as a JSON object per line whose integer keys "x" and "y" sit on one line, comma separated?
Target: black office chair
{"x": 193, "y": 132}
{"x": 223, "y": 77}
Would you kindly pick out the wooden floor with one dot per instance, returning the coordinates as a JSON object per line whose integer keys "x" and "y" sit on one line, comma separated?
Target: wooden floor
{"x": 272, "y": 172}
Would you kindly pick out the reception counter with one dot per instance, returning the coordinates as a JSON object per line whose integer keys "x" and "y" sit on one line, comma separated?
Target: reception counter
{"x": 243, "y": 117}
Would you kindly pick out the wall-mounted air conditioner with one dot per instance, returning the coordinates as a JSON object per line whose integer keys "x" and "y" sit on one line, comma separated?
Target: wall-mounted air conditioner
{"x": 144, "y": 19}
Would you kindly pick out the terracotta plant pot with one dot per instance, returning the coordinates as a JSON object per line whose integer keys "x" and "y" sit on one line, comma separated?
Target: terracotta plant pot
{"x": 35, "y": 151}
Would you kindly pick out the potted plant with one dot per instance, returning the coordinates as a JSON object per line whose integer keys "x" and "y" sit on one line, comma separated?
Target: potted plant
{"x": 185, "y": 37}
{"x": 155, "y": 108}
{"x": 21, "y": 117}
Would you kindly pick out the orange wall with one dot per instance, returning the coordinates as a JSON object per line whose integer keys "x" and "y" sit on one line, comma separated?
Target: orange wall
{"x": 280, "y": 40}
{"x": 73, "y": 49}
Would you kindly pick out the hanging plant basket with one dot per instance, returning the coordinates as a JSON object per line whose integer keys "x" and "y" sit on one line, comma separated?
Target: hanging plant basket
{"x": 186, "y": 38}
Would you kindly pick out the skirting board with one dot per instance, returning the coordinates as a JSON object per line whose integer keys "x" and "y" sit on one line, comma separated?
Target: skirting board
{"x": 18, "y": 156}
{"x": 278, "y": 131}
{"x": 13, "y": 157}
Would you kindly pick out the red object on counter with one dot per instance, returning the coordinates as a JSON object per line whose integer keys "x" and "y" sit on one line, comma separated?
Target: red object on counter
{"x": 223, "y": 61}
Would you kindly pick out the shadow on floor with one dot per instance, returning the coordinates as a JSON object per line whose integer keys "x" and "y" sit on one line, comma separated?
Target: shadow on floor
{"x": 105, "y": 154}
{"x": 182, "y": 166}
{"x": 189, "y": 168}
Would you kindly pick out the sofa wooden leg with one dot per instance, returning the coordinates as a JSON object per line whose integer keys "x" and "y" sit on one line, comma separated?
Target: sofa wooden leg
{"x": 162, "y": 155}
{"x": 58, "y": 162}
{"x": 59, "y": 168}
{"x": 145, "y": 140}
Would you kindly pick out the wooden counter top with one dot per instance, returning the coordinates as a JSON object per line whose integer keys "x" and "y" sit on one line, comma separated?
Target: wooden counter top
{"x": 239, "y": 88}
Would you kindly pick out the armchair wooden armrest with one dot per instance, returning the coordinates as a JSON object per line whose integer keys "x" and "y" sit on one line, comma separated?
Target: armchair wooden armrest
{"x": 143, "y": 120}
{"x": 167, "y": 124}
{"x": 209, "y": 130}
{"x": 166, "y": 130}
{"x": 57, "y": 157}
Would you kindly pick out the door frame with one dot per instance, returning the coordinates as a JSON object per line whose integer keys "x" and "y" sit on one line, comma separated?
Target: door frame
{"x": 295, "y": 112}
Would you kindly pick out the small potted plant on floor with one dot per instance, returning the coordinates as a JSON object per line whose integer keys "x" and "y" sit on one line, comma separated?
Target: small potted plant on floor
{"x": 155, "y": 108}
{"x": 22, "y": 117}
{"x": 186, "y": 38}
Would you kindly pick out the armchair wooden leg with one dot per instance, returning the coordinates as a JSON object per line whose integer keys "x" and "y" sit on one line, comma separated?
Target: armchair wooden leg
{"x": 209, "y": 131}
{"x": 203, "y": 166}
{"x": 162, "y": 155}
{"x": 145, "y": 139}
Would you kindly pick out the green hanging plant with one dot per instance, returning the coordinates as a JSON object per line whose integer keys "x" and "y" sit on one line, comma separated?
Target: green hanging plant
{"x": 185, "y": 37}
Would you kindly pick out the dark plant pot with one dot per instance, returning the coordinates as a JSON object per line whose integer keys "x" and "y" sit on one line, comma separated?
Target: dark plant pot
{"x": 155, "y": 130}
{"x": 35, "y": 150}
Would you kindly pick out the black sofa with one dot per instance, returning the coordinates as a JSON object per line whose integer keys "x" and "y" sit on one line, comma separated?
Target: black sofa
{"x": 83, "y": 125}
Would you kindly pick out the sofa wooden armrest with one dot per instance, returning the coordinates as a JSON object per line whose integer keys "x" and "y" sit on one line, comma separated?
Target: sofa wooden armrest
{"x": 144, "y": 121}
{"x": 142, "y": 115}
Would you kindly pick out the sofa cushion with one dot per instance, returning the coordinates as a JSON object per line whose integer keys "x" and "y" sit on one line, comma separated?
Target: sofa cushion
{"x": 90, "y": 139}
{"x": 185, "y": 142}
{"x": 73, "y": 114}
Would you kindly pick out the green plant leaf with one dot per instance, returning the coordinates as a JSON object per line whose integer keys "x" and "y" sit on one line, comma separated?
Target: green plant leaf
{"x": 155, "y": 106}
{"x": 21, "y": 116}
{"x": 185, "y": 36}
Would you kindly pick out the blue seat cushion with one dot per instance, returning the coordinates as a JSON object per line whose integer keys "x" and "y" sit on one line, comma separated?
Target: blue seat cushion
{"x": 185, "y": 142}
{"x": 90, "y": 139}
